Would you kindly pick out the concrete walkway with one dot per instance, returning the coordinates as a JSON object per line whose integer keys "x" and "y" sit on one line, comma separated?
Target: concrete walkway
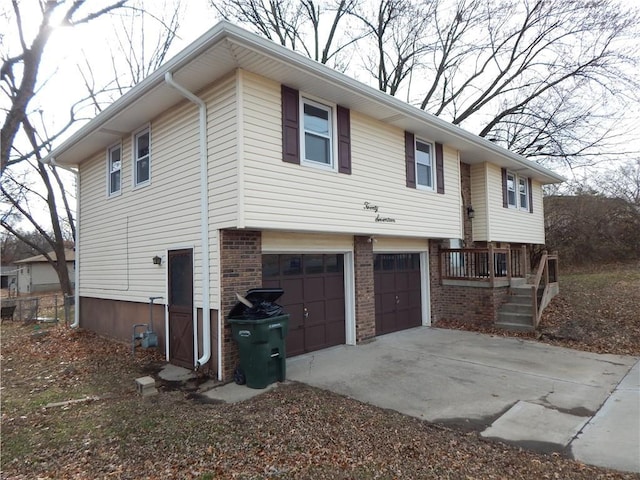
{"x": 535, "y": 395}
{"x": 616, "y": 427}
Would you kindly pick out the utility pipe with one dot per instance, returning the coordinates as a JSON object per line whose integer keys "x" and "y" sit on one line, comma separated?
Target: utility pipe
{"x": 76, "y": 273}
{"x": 204, "y": 224}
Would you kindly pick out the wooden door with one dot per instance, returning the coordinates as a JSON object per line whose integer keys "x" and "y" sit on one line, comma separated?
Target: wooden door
{"x": 180, "y": 278}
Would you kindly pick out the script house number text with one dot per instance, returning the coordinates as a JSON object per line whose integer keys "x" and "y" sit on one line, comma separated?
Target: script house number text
{"x": 379, "y": 218}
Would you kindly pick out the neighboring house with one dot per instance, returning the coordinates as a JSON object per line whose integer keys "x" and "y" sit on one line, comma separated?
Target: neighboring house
{"x": 8, "y": 275}
{"x": 241, "y": 164}
{"x": 35, "y": 274}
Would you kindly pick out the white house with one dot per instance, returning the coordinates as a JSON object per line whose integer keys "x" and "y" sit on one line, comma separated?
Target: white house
{"x": 241, "y": 164}
{"x": 35, "y": 274}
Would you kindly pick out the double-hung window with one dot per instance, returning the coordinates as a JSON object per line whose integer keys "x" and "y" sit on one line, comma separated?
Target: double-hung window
{"x": 114, "y": 169}
{"x": 523, "y": 194}
{"x": 424, "y": 164}
{"x": 512, "y": 200}
{"x": 317, "y": 132}
{"x": 142, "y": 157}
{"x": 516, "y": 191}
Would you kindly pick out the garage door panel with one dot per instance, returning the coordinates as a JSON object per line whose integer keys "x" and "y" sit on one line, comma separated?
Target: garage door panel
{"x": 334, "y": 310}
{"x": 316, "y": 314}
{"x": 295, "y": 342}
{"x": 315, "y": 337}
{"x": 386, "y": 282}
{"x": 313, "y": 287}
{"x": 335, "y": 334}
{"x": 334, "y": 287}
{"x": 402, "y": 282}
{"x": 296, "y": 312}
{"x": 397, "y": 286}
{"x": 293, "y": 289}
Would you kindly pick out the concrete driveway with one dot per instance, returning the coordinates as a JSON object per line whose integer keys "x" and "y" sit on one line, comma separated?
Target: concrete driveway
{"x": 535, "y": 395}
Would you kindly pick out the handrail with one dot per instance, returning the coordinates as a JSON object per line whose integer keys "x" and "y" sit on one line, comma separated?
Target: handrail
{"x": 542, "y": 267}
{"x": 547, "y": 272}
{"x": 481, "y": 264}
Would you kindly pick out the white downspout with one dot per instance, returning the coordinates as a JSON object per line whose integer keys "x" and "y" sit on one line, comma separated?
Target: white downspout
{"x": 204, "y": 220}
{"x": 76, "y": 273}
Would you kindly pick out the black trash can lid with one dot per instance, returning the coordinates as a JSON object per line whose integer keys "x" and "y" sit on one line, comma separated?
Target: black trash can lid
{"x": 259, "y": 297}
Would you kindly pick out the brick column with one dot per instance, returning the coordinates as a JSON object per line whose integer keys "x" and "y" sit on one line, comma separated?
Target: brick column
{"x": 240, "y": 270}
{"x": 435, "y": 282}
{"x": 365, "y": 299}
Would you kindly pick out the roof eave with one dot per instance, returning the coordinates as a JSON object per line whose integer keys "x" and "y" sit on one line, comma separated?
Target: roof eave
{"x": 227, "y": 31}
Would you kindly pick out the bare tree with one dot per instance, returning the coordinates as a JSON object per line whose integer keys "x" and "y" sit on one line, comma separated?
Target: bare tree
{"x": 622, "y": 182}
{"x": 534, "y": 69}
{"x": 296, "y": 24}
{"x": 398, "y": 28}
{"x": 548, "y": 79}
{"x": 19, "y": 73}
{"x": 35, "y": 194}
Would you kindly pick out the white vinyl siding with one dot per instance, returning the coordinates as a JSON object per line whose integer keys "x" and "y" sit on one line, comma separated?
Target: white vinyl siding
{"x": 400, "y": 245}
{"x": 285, "y": 196}
{"x": 277, "y": 242}
{"x": 480, "y": 222}
{"x": 222, "y": 137}
{"x": 503, "y": 224}
{"x": 119, "y": 238}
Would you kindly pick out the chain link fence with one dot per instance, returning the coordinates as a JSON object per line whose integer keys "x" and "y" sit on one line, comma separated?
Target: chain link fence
{"x": 43, "y": 308}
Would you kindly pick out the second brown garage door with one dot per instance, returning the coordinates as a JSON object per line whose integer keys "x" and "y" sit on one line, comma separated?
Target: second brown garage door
{"x": 397, "y": 291}
{"x": 313, "y": 295}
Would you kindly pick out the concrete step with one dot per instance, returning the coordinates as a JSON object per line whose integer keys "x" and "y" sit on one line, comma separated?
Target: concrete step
{"x": 515, "y": 318}
{"x": 518, "y": 282}
{"x": 517, "y": 308}
{"x": 521, "y": 290}
{"x": 514, "y": 327}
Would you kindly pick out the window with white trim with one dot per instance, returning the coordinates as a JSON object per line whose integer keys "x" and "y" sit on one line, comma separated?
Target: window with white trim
{"x": 523, "y": 194}
{"x": 317, "y": 133}
{"x": 114, "y": 169}
{"x": 142, "y": 157}
{"x": 424, "y": 164}
{"x": 512, "y": 200}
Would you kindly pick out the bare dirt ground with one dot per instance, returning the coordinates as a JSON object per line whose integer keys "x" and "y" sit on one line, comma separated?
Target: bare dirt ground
{"x": 293, "y": 431}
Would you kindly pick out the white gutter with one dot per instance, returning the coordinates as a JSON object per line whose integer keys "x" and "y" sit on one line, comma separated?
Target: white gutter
{"x": 76, "y": 274}
{"x": 204, "y": 223}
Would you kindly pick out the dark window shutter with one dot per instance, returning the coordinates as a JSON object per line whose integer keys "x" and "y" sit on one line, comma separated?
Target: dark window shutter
{"x": 530, "y": 196}
{"x": 505, "y": 196}
{"x": 439, "y": 168}
{"x": 290, "y": 125}
{"x": 344, "y": 140}
{"x": 410, "y": 158}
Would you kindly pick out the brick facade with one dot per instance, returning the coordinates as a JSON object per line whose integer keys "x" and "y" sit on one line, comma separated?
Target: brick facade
{"x": 365, "y": 299}
{"x": 472, "y": 305}
{"x": 240, "y": 270}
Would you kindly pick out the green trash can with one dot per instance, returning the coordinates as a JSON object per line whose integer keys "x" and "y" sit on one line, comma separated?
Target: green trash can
{"x": 260, "y": 332}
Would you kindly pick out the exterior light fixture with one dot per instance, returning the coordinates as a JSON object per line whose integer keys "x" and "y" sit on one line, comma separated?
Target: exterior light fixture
{"x": 470, "y": 212}
{"x": 157, "y": 260}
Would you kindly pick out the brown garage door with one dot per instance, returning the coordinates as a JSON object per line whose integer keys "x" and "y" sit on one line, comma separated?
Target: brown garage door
{"x": 397, "y": 291}
{"x": 314, "y": 296}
